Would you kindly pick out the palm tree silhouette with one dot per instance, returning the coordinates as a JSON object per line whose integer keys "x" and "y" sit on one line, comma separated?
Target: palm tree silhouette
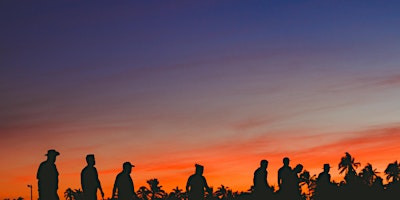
{"x": 347, "y": 164}
{"x": 155, "y": 189}
{"x": 78, "y": 194}
{"x": 177, "y": 193}
{"x": 69, "y": 194}
{"x": 368, "y": 174}
{"x": 393, "y": 172}
{"x": 309, "y": 181}
{"x": 222, "y": 192}
{"x": 367, "y": 185}
{"x": 143, "y": 193}
{"x": 210, "y": 193}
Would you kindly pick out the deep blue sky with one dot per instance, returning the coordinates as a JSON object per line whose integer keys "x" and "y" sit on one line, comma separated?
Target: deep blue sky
{"x": 195, "y": 79}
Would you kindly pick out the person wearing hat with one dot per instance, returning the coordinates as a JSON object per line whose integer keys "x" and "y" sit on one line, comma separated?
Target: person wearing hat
{"x": 196, "y": 184}
{"x": 90, "y": 179}
{"x": 123, "y": 186}
{"x": 324, "y": 177}
{"x": 324, "y": 186}
{"x": 47, "y": 176}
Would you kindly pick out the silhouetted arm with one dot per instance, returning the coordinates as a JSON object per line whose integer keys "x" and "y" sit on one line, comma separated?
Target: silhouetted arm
{"x": 56, "y": 174}
{"x": 206, "y": 185}
{"x": 98, "y": 183}
{"x": 114, "y": 188}
{"x": 82, "y": 182}
{"x": 254, "y": 178}
{"x": 188, "y": 184}
{"x": 101, "y": 191}
{"x": 279, "y": 178}
{"x": 39, "y": 172}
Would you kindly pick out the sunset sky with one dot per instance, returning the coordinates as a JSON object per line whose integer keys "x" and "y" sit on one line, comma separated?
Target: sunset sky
{"x": 167, "y": 84}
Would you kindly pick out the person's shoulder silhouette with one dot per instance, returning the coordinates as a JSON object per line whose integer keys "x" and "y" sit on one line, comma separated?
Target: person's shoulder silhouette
{"x": 324, "y": 177}
{"x": 196, "y": 184}
{"x": 123, "y": 185}
{"x": 260, "y": 175}
{"x": 260, "y": 183}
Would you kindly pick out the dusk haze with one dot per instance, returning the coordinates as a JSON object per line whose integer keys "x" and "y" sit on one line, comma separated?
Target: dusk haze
{"x": 166, "y": 85}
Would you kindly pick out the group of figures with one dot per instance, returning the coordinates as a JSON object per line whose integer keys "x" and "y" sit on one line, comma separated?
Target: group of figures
{"x": 288, "y": 181}
{"x": 47, "y": 176}
{"x": 196, "y": 188}
{"x": 123, "y": 189}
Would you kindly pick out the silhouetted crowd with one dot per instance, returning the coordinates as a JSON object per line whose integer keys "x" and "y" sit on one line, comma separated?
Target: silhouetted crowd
{"x": 365, "y": 185}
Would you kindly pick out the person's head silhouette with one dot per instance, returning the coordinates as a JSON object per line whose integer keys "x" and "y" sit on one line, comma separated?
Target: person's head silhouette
{"x": 298, "y": 168}
{"x": 327, "y": 167}
{"x": 127, "y": 167}
{"x": 199, "y": 169}
{"x": 51, "y": 155}
{"x": 286, "y": 161}
{"x": 90, "y": 160}
{"x": 264, "y": 164}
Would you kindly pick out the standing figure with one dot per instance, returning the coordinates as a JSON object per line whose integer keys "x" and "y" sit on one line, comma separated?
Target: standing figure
{"x": 260, "y": 183}
{"x": 324, "y": 188}
{"x": 196, "y": 184}
{"x": 47, "y": 176}
{"x": 90, "y": 179}
{"x": 123, "y": 187}
{"x": 284, "y": 176}
{"x": 324, "y": 178}
{"x": 294, "y": 190}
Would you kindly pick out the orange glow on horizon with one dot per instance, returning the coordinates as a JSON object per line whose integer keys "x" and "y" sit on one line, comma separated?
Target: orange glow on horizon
{"x": 228, "y": 165}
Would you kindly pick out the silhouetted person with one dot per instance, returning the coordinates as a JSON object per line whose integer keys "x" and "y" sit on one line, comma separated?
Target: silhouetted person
{"x": 261, "y": 188}
{"x": 293, "y": 190}
{"x": 284, "y": 175}
{"x": 47, "y": 176}
{"x": 325, "y": 189}
{"x": 90, "y": 179}
{"x": 196, "y": 184}
{"x": 123, "y": 187}
{"x": 324, "y": 178}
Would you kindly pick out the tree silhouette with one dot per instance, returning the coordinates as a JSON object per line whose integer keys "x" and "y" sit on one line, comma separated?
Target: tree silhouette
{"x": 78, "y": 194}
{"x": 143, "y": 193}
{"x": 347, "y": 164}
{"x": 210, "y": 193}
{"x": 177, "y": 193}
{"x": 309, "y": 181}
{"x": 155, "y": 189}
{"x": 393, "y": 172}
{"x": 368, "y": 174}
{"x": 222, "y": 192}
{"x": 71, "y": 194}
{"x": 366, "y": 185}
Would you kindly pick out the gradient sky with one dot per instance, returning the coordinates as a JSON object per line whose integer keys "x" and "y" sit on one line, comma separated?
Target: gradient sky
{"x": 167, "y": 84}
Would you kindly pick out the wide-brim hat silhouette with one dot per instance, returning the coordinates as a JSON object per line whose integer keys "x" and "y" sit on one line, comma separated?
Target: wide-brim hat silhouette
{"x": 52, "y": 152}
{"x": 327, "y": 166}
